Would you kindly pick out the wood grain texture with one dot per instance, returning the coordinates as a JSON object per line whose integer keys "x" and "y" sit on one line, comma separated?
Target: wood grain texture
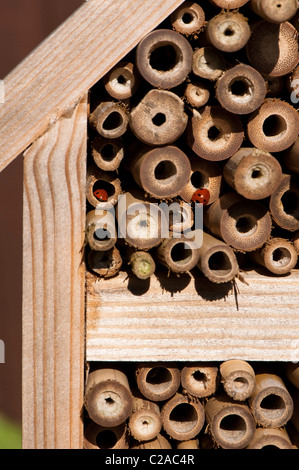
{"x": 195, "y": 322}
{"x": 67, "y": 64}
{"x": 54, "y": 284}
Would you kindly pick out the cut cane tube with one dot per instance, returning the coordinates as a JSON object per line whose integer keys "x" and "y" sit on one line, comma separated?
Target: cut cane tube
{"x": 160, "y": 442}
{"x": 197, "y": 94}
{"x": 164, "y": 58}
{"x": 228, "y": 4}
{"x": 141, "y": 263}
{"x": 102, "y": 187}
{"x": 269, "y": 438}
{"x": 182, "y": 418}
{"x": 199, "y": 380}
{"x": 290, "y": 158}
{"x": 228, "y": 31}
{"x": 243, "y": 224}
{"x": 238, "y": 379}
{"x": 181, "y": 217}
{"x": 274, "y": 126}
{"x": 273, "y": 10}
{"x": 109, "y": 119}
{"x": 122, "y": 81}
{"x": 101, "y": 437}
{"x": 100, "y": 230}
{"x": 241, "y": 89}
{"x": 271, "y": 403}
{"x": 253, "y": 173}
{"x": 159, "y": 118}
{"x": 277, "y": 255}
{"x": 158, "y": 382}
{"x": 107, "y": 153}
{"x": 284, "y": 203}
{"x": 192, "y": 444}
{"x": 208, "y": 63}
{"x": 188, "y": 19}
{"x": 177, "y": 254}
{"x": 215, "y": 134}
{"x": 231, "y": 423}
{"x": 105, "y": 264}
{"x": 108, "y": 398}
{"x": 145, "y": 422}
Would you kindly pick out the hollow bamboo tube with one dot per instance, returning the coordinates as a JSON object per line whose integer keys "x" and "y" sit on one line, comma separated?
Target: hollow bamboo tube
{"x": 105, "y": 264}
{"x": 188, "y": 18}
{"x": 231, "y": 423}
{"x": 204, "y": 174}
{"x": 284, "y": 203}
{"x": 157, "y": 382}
{"x": 200, "y": 380}
{"x": 277, "y": 255}
{"x": 107, "y": 153}
{"x": 217, "y": 260}
{"x": 197, "y": 94}
{"x": 110, "y": 119}
{"x": 292, "y": 373}
{"x": 215, "y": 134}
{"x": 241, "y": 89}
{"x": 145, "y": 422}
{"x": 208, "y": 63}
{"x": 228, "y": 31}
{"x": 159, "y": 118}
{"x": 100, "y": 437}
{"x": 228, "y": 4}
{"x": 192, "y": 444}
{"x": 164, "y": 58}
{"x": 273, "y": 10}
{"x": 160, "y": 442}
{"x": 243, "y": 224}
{"x": 291, "y": 159}
{"x": 100, "y": 230}
{"x": 122, "y": 81}
{"x": 181, "y": 217}
{"x": 182, "y": 418}
{"x": 264, "y": 438}
{"x": 177, "y": 254}
{"x": 238, "y": 379}
{"x": 296, "y": 241}
{"x": 274, "y": 126}
{"x": 162, "y": 172}
{"x": 273, "y": 49}
{"x": 253, "y": 173}
{"x": 98, "y": 181}
{"x": 271, "y": 404}
{"x": 142, "y": 263}
{"x": 108, "y": 398}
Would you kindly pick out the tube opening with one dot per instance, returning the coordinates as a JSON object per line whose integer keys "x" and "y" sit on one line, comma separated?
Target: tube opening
{"x": 109, "y": 401}
{"x": 200, "y": 377}
{"x": 106, "y": 439}
{"x": 239, "y": 87}
{"x": 220, "y": 262}
{"x": 233, "y": 427}
{"x": 164, "y": 58}
{"x": 108, "y": 152}
{"x": 198, "y": 180}
{"x": 272, "y": 406}
{"x": 290, "y": 202}
{"x": 281, "y": 257}
{"x": 274, "y": 125}
{"x": 229, "y": 31}
{"x": 246, "y": 225}
{"x": 113, "y": 121}
{"x": 240, "y": 383}
{"x": 159, "y": 119}
{"x": 183, "y": 418}
{"x": 121, "y": 80}
{"x": 181, "y": 253}
{"x": 159, "y": 379}
{"x": 102, "y": 185}
{"x": 256, "y": 174}
{"x": 187, "y": 18}
{"x": 214, "y": 133}
{"x": 165, "y": 170}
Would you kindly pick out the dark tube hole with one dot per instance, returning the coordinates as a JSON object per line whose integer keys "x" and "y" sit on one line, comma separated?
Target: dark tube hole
{"x": 106, "y": 439}
{"x": 180, "y": 254}
{"x": 113, "y": 121}
{"x": 109, "y": 401}
{"x": 199, "y": 376}
{"x": 214, "y": 133}
{"x": 108, "y": 187}
{"x": 164, "y": 58}
{"x": 198, "y": 179}
{"x": 246, "y": 225}
{"x": 239, "y": 88}
{"x": 256, "y": 174}
{"x": 233, "y": 427}
{"x": 274, "y": 125}
{"x": 289, "y": 202}
{"x": 158, "y": 375}
{"x": 220, "y": 262}
{"x": 229, "y": 32}
{"x": 165, "y": 169}
{"x": 159, "y": 119}
{"x": 183, "y": 417}
{"x": 273, "y": 403}
{"x": 121, "y": 80}
{"x": 108, "y": 152}
{"x": 187, "y": 18}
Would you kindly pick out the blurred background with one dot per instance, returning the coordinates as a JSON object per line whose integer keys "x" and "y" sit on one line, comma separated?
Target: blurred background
{"x": 23, "y": 25}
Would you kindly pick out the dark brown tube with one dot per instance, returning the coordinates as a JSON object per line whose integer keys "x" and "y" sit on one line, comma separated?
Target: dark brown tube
{"x": 109, "y": 119}
{"x": 122, "y": 81}
{"x": 157, "y": 382}
{"x": 192, "y": 444}
{"x": 238, "y": 379}
{"x": 182, "y": 418}
{"x": 231, "y": 423}
{"x": 228, "y": 4}
{"x": 208, "y": 63}
{"x": 142, "y": 264}
{"x": 277, "y": 255}
{"x": 264, "y": 438}
{"x": 105, "y": 264}
{"x": 107, "y": 153}
{"x": 290, "y": 158}
{"x": 228, "y": 31}
{"x": 160, "y": 442}
{"x": 241, "y": 89}
{"x": 100, "y": 230}
{"x": 159, "y": 118}
{"x": 273, "y": 10}
{"x": 217, "y": 260}
{"x": 145, "y": 422}
{"x": 102, "y": 180}
{"x": 292, "y": 373}
{"x": 274, "y": 126}
{"x": 164, "y": 58}
{"x": 199, "y": 380}
{"x": 177, "y": 254}
{"x": 100, "y": 437}
{"x": 215, "y": 134}
{"x": 243, "y": 224}
{"x": 188, "y": 19}
{"x": 253, "y": 173}
{"x": 273, "y": 48}
{"x": 284, "y": 203}
{"x": 271, "y": 403}
{"x": 275, "y": 86}
{"x": 108, "y": 398}
{"x": 197, "y": 94}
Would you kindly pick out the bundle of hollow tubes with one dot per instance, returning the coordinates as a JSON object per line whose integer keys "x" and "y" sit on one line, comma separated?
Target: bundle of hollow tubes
{"x": 201, "y": 118}
{"x": 230, "y": 405}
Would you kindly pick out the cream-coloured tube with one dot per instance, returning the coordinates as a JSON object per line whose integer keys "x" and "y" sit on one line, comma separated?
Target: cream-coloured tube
{"x": 159, "y": 381}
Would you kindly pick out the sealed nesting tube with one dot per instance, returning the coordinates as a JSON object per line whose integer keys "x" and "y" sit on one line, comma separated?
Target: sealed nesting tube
{"x": 188, "y": 18}
{"x": 145, "y": 421}
{"x": 179, "y": 255}
{"x": 271, "y": 403}
{"x": 182, "y": 418}
{"x": 159, "y": 381}
{"x": 292, "y": 373}
{"x": 159, "y": 118}
{"x": 241, "y": 89}
{"x": 105, "y": 264}
{"x": 102, "y": 188}
{"x": 273, "y": 48}
{"x": 228, "y": 4}
{"x": 159, "y": 442}
{"x": 197, "y": 94}
{"x": 274, "y": 126}
{"x": 122, "y": 81}
{"x": 101, "y": 437}
{"x": 231, "y": 423}
{"x": 100, "y": 230}
{"x": 253, "y": 173}
{"x": 164, "y": 58}
{"x": 215, "y": 134}
{"x": 208, "y": 63}
{"x": 243, "y": 224}
{"x": 275, "y": 11}
{"x": 217, "y": 260}
{"x": 284, "y": 203}
{"x": 228, "y": 31}
{"x": 142, "y": 263}
{"x": 199, "y": 380}
{"x": 238, "y": 379}
{"x": 181, "y": 216}
{"x": 110, "y": 119}
{"x": 192, "y": 444}
{"x": 278, "y": 255}
{"x": 107, "y": 153}
{"x": 290, "y": 158}
{"x": 264, "y": 438}
{"x": 108, "y": 398}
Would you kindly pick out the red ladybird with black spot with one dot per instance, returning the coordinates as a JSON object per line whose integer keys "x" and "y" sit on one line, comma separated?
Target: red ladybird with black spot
{"x": 101, "y": 195}
{"x": 201, "y": 196}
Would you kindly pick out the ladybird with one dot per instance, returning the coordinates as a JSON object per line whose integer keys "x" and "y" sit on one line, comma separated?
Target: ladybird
{"x": 201, "y": 196}
{"x": 101, "y": 195}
